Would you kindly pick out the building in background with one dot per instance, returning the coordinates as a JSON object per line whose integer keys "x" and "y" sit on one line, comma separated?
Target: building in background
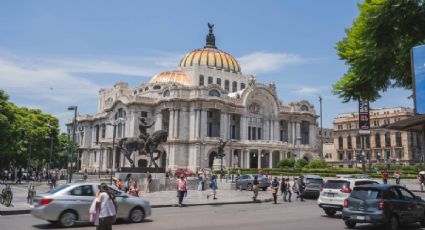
{"x": 206, "y": 99}
{"x": 382, "y": 145}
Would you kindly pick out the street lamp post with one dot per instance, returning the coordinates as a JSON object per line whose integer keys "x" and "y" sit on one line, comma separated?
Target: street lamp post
{"x": 321, "y": 130}
{"x": 74, "y": 126}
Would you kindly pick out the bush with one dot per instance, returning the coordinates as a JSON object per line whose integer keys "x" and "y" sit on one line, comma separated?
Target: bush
{"x": 317, "y": 164}
{"x": 301, "y": 163}
{"x": 287, "y": 163}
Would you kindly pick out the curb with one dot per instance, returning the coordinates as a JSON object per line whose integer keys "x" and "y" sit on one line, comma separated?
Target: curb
{"x": 27, "y": 211}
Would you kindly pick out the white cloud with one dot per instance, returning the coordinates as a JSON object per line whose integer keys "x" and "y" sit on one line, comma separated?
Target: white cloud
{"x": 260, "y": 62}
{"x": 307, "y": 91}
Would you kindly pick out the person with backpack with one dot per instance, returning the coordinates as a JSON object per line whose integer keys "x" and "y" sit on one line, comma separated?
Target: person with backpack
{"x": 107, "y": 207}
{"x": 255, "y": 188}
{"x": 214, "y": 187}
{"x": 274, "y": 187}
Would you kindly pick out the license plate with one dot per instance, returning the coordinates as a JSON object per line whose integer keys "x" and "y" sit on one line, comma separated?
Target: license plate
{"x": 360, "y": 217}
{"x": 331, "y": 194}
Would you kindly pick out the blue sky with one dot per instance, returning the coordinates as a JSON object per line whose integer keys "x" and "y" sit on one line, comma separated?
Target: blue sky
{"x": 59, "y": 53}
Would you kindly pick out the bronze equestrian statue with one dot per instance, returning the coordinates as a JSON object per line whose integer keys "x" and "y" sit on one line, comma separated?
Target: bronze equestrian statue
{"x": 143, "y": 144}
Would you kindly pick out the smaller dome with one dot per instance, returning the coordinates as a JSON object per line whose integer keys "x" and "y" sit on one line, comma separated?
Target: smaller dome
{"x": 172, "y": 76}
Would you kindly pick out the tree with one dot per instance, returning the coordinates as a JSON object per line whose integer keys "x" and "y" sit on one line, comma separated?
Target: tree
{"x": 377, "y": 48}
{"x": 301, "y": 163}
{"x": 317, "y": 164}
{"x": 287, "y": 163}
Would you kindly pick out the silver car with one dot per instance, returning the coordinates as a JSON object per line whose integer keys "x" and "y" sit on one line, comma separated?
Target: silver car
{"x": 246, "y": 181}
{"x": 69, "y": 203}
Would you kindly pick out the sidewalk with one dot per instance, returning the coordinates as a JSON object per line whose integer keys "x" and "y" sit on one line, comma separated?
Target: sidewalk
{"x": 157, "y": 199}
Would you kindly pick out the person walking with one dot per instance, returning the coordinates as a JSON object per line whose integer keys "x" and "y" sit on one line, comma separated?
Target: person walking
{"x": 19, "y": 175}
{"x": 214, "y": 187}
{"x": 274, "y": 187}
{"x": 421, "y": 180}
{"x": 127, "y": 182}
{"x": 181, "y": 189}
{"x": 255, "y": 188}
{"x": 148, "y": 182}
{"x": 283, "y": 189}
{"x": 301, "y": 187}
{"x": 397, "y": 176}
{"x": 385, "y": 176}
{"x": 288, "y": 190}
{"x": 107, "y": 207}
{"x": 133, "y": 190}
{"x": 295, "y": 188}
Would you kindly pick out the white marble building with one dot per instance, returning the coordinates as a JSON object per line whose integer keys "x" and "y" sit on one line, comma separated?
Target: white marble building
{"x": 205, "y": 99}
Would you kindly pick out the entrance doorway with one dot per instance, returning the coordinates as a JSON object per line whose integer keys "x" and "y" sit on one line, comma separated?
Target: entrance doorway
{"x": 253, "y": 160}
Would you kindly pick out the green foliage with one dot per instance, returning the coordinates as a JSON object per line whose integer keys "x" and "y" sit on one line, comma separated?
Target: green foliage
{"x": 301, "y": 163}
{"x": 377, "y": 48}
{"x": 22, "y": 128}
{"x": 316, "y": 164}
{"x": 287, "y": 163}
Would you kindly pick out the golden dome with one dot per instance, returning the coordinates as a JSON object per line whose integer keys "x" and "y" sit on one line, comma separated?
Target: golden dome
{"x": 172, "y": 76}
{"x": 211, "y": 57}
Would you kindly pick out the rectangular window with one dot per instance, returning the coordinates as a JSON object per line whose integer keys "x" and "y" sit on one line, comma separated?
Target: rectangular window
{"x": 226, "y": 85}
{"x": 103, "y": 131}
{"x": 234, "y": 86}
{"x": 259, "y": 134}
{"x": 95, "y": 156}
{"x": 201, "y": 80}
{"x": 144, "y": 114}
{"x": 210, "y": 80}
{"x": 97, "y": 133}
{"x": 398, "y": 139}
{"x": 219, "y": 81}
{"x": 233, "y": 129}
{"x": 249, "y": 133}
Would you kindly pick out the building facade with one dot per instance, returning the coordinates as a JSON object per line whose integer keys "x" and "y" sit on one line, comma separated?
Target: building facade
{"x": 206, "y": 99}
{"x": 382, "y": 145}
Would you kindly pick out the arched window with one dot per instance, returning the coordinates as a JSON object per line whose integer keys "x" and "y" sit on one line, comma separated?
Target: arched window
{"x": 387, "y": 139}
{"x": 214, "y": 93}
{"x": 304, "y": 108}
{"x": 166, "y": 93}
{"x": 120, "y": 114}
{"x": 242, "y": 86}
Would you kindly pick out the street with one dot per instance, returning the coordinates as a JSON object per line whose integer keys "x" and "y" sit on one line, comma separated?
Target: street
{"x": 290, "y": 216}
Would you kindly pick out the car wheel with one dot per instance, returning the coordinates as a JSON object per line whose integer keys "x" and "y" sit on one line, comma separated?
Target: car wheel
{"x": 249, "y": 187}
{"x": 330, "y": 212}
{"x": 68, "y": 218}
{"x": 350, "y": 224}
{"x": 137, "y": 215}
{"x": 264, "y": 188}
{"x": 393, "y": 224}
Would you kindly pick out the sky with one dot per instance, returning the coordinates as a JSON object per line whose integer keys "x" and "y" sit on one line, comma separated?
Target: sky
{"x": 59, "y": 53}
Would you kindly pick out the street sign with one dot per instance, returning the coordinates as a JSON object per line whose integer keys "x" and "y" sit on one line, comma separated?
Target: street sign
{"x": 364, "y": 117}
{"x": 418, "y": 74}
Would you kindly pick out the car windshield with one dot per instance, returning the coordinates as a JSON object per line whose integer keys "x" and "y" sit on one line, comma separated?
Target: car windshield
{"x": 314, "y": 181}
{"x": 336, "y": 184}
{"x": 58, "y": 188}
{"x": 365, "y": 193}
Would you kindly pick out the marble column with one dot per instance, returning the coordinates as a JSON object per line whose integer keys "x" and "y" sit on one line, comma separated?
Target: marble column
{"x": 203, "y": 124}
{"x": 171, "y": 124}
{"x": 158, "y": 121}
{"x": 290, "y": 133}
{"x": 312, "y": 135}
{"x": 271, "y": 159}
{"x": 224, "y": 125}
{"x": 298, "y": 132}
{"x": 176, "y": 123}
{"x": 248, "y": 159}
{"x": 259, "y": 158}
{"x": 243, "y": 128}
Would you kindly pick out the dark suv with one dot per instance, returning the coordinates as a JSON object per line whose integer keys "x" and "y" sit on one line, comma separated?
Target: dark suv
{"x": 391, "y": 205}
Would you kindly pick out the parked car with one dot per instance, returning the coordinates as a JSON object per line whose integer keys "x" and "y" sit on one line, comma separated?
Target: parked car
{"x": 69, "y": 203}
{"x": 313, "y": 184}
{"x": 185, "y": 172}
{"x": 334, "y": 192}
{"x": 246, "y": 181}
{"x": 391, "y": 205}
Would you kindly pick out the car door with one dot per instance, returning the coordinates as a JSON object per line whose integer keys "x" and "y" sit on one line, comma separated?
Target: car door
{"x": 413, "y": 210}
{"x": 124, "y": 203}
{"x": 83, "y": 198}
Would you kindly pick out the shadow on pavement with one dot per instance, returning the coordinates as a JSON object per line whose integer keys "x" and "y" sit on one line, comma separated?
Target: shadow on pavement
{"x": 84, "y": 224}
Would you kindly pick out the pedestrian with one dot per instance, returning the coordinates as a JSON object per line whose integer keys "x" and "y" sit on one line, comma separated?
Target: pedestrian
{"x": 107, "y": 207}
{"x": 127, "y": 181}
{"x": 214, "y": 187}
{"x": 255, "y": 188}
{"x": 301, "y": 187}
{"x": 201, "y": 181}
{"x": 397, "y": 176}
{"x": 133, "y": 190}
{"x": 85, "y": 175}
{"x": 283, "y": 189}
{"x": 19, "y": 175}
{"x": 288, "y": 190}
{"x": 295, "y": 188}
{"x": 181, "y": 189}
{"x": 421, "y": 179}
{"x": 385, "y": 176}
{"x": 274, "y": 187}
{"x": 148, "y": 182}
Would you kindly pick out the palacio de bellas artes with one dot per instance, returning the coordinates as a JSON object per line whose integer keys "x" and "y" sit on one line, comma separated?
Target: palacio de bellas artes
{"x": 207, "y": 99}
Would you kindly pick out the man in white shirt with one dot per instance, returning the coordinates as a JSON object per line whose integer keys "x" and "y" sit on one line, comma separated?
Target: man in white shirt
{"x": 107, "y": 208}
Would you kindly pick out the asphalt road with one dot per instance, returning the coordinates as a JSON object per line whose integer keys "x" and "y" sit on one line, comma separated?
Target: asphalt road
{"x": 267, "y": 216}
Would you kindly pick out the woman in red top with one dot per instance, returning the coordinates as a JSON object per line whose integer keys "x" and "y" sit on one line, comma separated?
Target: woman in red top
{"x": 181, "y": 189}
{"x": 385, "y": 177}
